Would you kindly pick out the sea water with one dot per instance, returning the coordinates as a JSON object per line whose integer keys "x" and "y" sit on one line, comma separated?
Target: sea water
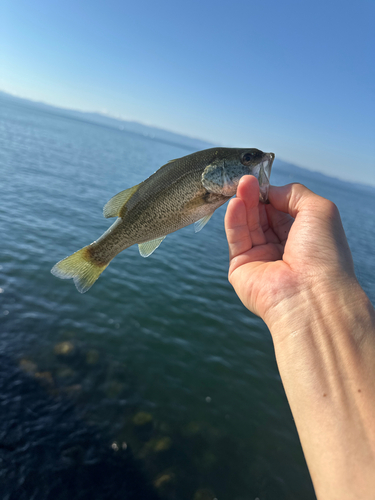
{"x": 159, "y": 357}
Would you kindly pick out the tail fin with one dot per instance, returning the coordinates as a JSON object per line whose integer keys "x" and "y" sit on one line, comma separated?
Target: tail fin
{"x": 81, "y": 267}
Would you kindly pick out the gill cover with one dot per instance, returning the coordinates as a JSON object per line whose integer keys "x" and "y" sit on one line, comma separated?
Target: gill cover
{"x": 222, "y": 178}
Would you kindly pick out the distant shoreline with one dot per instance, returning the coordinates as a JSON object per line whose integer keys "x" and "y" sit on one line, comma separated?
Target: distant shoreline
{"x": 156, "y": 134}
{"x": 153, "y": 133}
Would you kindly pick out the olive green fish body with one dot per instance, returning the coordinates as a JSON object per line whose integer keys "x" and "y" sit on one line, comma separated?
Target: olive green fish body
{"x": 184, "y": 191}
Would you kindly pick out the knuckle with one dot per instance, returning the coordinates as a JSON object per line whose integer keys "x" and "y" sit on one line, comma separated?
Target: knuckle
{"x": 330, "y": 209}
{"x": 323, "y": 206}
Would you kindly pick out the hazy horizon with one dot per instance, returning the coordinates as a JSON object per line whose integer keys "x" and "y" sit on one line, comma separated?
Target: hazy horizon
{"x": 102, "y": 113}
{"x": 188, "y": 145}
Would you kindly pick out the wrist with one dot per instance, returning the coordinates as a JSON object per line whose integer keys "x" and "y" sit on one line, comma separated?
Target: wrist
{"x": 327, "y": 333}
{"x": 330, "y": 330}
{"x": 319, "y": 307}
{"x": 325, "y": 350}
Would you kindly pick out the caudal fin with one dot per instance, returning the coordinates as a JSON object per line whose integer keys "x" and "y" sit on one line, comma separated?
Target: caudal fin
{"x": 81, "y": 267}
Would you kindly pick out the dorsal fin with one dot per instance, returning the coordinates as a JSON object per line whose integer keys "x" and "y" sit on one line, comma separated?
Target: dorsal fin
{"x": 115, "y": 204}
{"x": 168, "y": 162}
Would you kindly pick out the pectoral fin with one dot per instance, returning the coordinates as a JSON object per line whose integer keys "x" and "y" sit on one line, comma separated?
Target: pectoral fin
{"x": 146, "y": 249}
{"x": 201, "y": 223}
{"x": 114, "y": 206}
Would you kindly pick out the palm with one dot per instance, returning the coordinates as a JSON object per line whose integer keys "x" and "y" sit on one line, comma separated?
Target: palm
{"x": 259, "y": 273}
{"x": 261, "y": 263}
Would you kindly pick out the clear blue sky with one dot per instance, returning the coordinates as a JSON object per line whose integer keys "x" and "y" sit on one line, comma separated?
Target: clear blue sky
{"x": 292, "y": 77}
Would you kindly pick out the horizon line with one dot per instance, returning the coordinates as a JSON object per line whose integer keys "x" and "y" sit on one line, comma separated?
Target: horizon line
{"x": 160, "y": 139}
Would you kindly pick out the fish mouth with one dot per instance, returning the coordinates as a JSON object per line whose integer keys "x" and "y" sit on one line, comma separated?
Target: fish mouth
{"x": 264, "y": 174}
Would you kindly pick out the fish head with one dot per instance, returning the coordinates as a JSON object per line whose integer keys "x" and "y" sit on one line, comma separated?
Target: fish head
{"x": 223, "y": 175}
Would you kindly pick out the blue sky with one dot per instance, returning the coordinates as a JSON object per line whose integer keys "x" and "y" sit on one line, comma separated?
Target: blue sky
{"x": 292, "y": 77}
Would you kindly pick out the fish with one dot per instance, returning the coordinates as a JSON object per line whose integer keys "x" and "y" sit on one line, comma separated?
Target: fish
{"x": 184, "y": 191}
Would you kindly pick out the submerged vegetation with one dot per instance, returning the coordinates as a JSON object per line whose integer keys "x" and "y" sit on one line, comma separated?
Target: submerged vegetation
{"x": 98, "y": 416}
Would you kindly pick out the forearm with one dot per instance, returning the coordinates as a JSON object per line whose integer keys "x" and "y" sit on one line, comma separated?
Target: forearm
{"x": 325, "y": 350}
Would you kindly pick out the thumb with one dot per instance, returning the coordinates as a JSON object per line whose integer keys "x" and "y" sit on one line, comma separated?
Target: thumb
{"x": 319, "y": 222}
{"x": 292, "y": 198}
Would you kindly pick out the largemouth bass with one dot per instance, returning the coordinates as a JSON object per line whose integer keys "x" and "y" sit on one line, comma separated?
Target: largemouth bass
{"x": 183, "y": 191}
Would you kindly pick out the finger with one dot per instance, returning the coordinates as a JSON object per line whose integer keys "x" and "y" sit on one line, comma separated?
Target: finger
{"x": 280, "y": 223}
{"x": 291, "y": 198}
{"x": 263, "y": 217}
{"x": 248, "y": 191}
{"x": 269, "y": 233}
{"x": 236, "y": 229}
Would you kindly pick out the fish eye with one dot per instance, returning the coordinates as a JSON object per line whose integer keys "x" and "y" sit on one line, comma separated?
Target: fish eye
{"x": 247, "y": 157}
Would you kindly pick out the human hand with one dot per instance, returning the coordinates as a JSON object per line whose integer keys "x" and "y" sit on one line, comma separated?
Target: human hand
{"x": 283, "y": 253}
{"x": 290, "y": 263}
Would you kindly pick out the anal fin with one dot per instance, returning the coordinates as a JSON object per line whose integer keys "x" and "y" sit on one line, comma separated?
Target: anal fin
{"x": 147, "y": 248}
